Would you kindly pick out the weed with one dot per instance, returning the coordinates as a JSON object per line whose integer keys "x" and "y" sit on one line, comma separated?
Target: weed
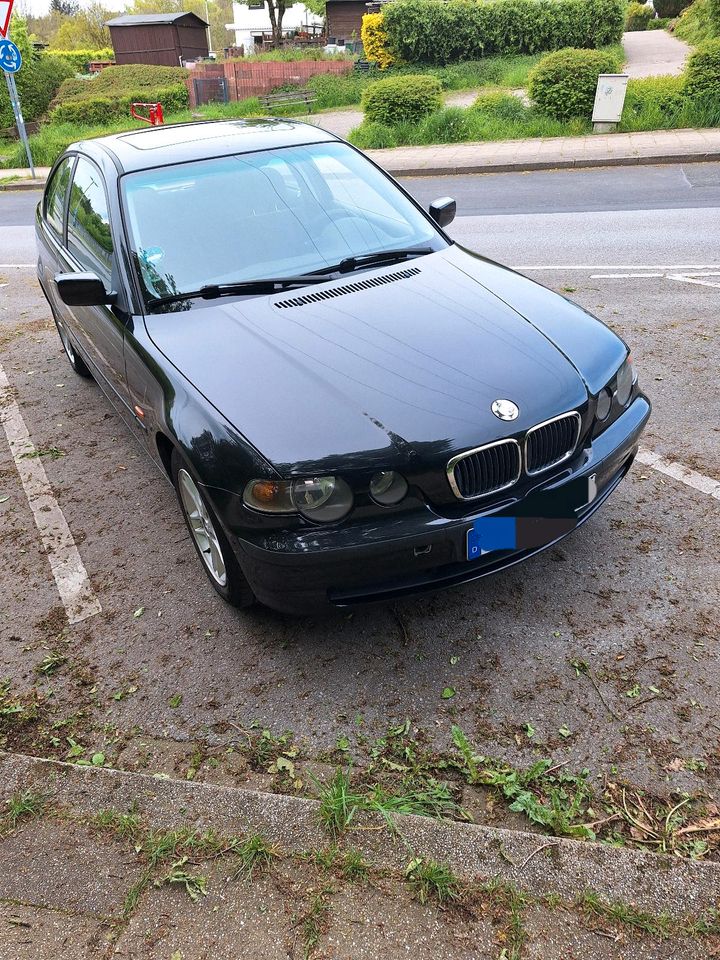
{"x": 254, "y": 855}
{"x": 134, "y": 893}
{"x": 661, "y": 925}
{"x": 125, "y": 825}
{"x": 195, "y": 884}
{"x": 50, "y": 663}
{"x": 314, "y": 921}
{"x": 429, "y": 799}
{"x": 354, "y": 867}
{"x": 339, "y": 802}
{"x": 54, "y": 453}
{"x": 24, "y": 805}
{"x": 430, "y": 879}
{"x": 162, "y": 845}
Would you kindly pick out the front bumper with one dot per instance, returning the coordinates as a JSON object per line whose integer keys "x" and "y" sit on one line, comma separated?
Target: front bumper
{"x": 429, "y": 551}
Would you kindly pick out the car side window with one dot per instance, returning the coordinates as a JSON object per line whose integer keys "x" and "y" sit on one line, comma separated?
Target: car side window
{"x": 56, "y": 194}
{"x": 89, "y": 237}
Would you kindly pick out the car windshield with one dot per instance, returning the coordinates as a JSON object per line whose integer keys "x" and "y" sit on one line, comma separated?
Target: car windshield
{"x": 274, "y": 213}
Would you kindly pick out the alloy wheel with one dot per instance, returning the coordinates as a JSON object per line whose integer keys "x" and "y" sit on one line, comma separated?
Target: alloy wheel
{"x": 202, "y": 527}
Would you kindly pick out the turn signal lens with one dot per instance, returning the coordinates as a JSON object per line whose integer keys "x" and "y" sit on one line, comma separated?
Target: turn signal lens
{"x": 324, "y": 499}
{"x": 270, "y": 496}
{"x": 388, "y": 487}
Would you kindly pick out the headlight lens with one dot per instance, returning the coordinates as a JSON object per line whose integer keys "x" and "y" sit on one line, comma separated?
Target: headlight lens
{"x": 604, "y": 402}
{"x": 270, "y": 496}
{"x": 624, "y": 382}
{"x": 324, "y": 499}
{"x": 388, "y": 487}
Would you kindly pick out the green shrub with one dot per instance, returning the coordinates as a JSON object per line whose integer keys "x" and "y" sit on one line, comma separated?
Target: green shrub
{"x": 563, "y": 84}
{"x": 451, "y": 31}
{"x": 714, "y": 10}
{"x": 702, "y": 73}
{"x": 638, "y": 16}
{"x": 663, "y": 95}
{"x": 79, "y": 59}
{"x": 451, "y": 125}
{"x": 395, "y": 99}
{"x": 339, "y": 91}
{"x": 502, "y": 105}
{"x": 660, "y": 103}
{"x": 669, "y": 8}
{"x": 694, "y": 24}
{"x": 373, "y": 136}
{"x": 659, "y": 23}
{"x": 37, "y": 84}
{"x": 109, "y": 95}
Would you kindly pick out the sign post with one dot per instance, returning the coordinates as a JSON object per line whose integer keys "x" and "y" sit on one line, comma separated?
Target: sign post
{"x": 11, "y": 61}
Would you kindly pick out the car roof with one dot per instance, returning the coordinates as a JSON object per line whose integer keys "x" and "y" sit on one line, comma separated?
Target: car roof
{"x": 183, "y": 142}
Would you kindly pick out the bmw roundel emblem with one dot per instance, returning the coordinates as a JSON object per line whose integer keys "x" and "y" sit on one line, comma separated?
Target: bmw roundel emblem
{"x": 505, "y": 409}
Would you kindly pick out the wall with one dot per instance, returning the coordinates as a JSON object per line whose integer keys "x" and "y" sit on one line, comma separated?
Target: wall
{"x": 161, "y": 44}
{"x": 250, "y": 79}
{"x": 344, "y": 18}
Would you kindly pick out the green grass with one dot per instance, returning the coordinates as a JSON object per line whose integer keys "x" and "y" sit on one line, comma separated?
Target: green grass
{"x": 430, "y": 880}
{"x": 253, "y": 856}
{"x": 125, "y": 825}
{"x": 24, "y": 806}
{"x": 339, "y": 802}
{"x": 195, "y": 885}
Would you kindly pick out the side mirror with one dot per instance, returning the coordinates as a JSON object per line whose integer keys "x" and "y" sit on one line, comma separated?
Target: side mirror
{"x": 443, "y": 211}
{"x": 83, "y": 290}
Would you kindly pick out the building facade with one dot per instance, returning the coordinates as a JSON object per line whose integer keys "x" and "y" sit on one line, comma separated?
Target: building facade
{"x": 251, "y": 23}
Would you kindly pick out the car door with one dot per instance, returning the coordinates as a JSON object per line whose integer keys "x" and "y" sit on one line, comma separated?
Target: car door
{"x": 98, "y": 330}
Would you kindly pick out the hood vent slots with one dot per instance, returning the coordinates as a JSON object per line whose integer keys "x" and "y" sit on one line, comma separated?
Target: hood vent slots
{"x": 347, "y": 288}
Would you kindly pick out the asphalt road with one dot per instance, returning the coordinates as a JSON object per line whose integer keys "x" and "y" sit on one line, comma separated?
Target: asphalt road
{"x": 635, "y": 594}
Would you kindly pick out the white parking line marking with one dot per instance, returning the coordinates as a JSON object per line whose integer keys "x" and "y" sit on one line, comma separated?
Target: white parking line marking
{"x": 626, "y": 266}
{"x": 71, "y": 577}
{"x": 677, "y": 471}
{"x": 622, "y": 276}
{"x": 26, "y": 266}
{"x": 693, "y": 278}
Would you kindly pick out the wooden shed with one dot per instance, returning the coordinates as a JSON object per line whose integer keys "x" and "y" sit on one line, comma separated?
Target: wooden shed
{"x": 165, "y": 39}
{"x": 344, "y": 19}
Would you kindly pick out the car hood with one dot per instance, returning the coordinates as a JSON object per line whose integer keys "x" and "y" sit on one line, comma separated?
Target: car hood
{"x": 382, "y": 366}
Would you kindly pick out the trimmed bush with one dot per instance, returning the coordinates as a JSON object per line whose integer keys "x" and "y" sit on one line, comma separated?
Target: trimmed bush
{"x": 451, "y": 31}
{"x": 37, "y": 84}
{"x": 638, "y": 16}
{"x": 714, "y": 8}
{"x": 563, "y": 84}
{"x": 398, "y": 99}
{"x": 663, "y": 95}
{"x": 79, "y": 59}
{"x": 694, "y": 24}
{"x": 702, "y": 74}
{"x": 375, "y": 40}
{"x": 109, "y": 95}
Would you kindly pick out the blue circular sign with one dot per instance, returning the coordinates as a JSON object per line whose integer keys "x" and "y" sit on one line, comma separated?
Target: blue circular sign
{"x": 10, "y": 59}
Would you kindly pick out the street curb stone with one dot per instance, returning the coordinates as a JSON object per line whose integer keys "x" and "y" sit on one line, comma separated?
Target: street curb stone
{"x": 538, "y": 864}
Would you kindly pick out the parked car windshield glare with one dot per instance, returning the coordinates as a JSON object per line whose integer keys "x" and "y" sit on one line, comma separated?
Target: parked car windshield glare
{"x": 269, "y": 214}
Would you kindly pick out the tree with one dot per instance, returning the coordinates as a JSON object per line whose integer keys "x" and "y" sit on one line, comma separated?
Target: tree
{"x": 218, "y": 12}
{"x": 85, "y": 30}
{"x": 68, "y": 8}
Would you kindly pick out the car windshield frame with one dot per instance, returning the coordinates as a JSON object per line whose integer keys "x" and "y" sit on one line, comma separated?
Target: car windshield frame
{"x": 423, "y": 232}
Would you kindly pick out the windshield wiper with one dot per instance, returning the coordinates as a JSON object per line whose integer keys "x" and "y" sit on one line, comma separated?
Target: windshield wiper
{"x": 371, "y": 259}
{"x": 214, "y": 290}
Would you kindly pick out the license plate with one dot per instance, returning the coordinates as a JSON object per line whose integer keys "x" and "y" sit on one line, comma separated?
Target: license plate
{"x": 559, "y": 509}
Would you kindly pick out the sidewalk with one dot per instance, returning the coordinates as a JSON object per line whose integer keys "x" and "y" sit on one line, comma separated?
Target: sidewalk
{"x": 557, "y": 153}
{"x": 653, "y": 53}
{"x": 160, "y": 874}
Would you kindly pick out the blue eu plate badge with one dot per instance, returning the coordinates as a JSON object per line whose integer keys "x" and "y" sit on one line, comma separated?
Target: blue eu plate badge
{"x": 491, "y": 533}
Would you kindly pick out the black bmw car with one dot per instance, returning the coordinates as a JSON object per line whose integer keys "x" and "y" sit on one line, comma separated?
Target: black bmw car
{"x": 351, "y": 407}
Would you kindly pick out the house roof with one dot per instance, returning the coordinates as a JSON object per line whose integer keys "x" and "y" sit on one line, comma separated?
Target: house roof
{"x": 146, "y": 19}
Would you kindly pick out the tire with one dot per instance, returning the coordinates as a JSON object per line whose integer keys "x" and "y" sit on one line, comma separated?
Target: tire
{"x": 76, "y": 361}
{"x": 211, "y": 545}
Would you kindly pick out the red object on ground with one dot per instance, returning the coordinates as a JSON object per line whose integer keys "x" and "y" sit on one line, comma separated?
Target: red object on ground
{"x": 155, "y": 111}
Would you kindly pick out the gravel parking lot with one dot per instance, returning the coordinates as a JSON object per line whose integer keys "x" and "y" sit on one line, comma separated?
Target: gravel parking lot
{"x": 601, "y": 653}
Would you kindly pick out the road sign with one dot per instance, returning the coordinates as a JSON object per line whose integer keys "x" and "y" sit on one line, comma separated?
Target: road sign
{"x": 5, "y": 11}
{"x": 10, "y": 57}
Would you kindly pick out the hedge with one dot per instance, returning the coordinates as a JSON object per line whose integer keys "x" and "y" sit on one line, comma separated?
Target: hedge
{"x": 79, "y": 59}
{"x": 670, "y": 8}
{"x": 37, "y": 84}
{"x": 375, "y": 40}
{"x": 399, "y": 99}
{"x": 638, "y": 16}
{"x": 444, "y": 31}
{"x": 702, "y": 73}
{"x": 109, "y": 95}
{"x": 563, "y": 84}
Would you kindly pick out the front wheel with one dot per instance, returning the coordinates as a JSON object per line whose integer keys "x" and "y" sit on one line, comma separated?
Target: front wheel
{"x": 211, "y": 544}
{"x": 76, "y": 361}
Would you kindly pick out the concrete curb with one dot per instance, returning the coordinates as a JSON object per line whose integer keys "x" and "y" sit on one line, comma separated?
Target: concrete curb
{"x": 537, "y": 864}
{"x": 529, "y": 166}
{"x": 457, "y": 170}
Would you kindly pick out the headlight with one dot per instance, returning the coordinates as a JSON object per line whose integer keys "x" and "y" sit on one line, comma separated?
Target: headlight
{"x": 624, "y": 382}
{"x": 604, "y": 402}
{"x": 324, "y": 499}
{"x": 388, "y": 487}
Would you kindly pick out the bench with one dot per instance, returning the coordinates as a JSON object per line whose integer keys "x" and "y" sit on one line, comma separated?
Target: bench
{"x": 271, "y": 101}
{"x": 364, "y": 66}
